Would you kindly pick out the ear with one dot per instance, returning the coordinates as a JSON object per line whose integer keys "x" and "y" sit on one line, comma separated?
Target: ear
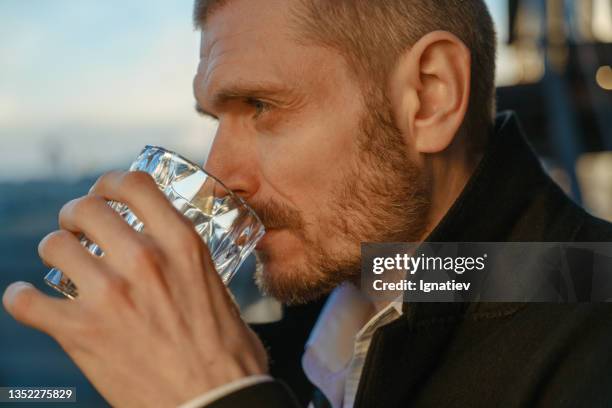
{"x": 430, "y": 89}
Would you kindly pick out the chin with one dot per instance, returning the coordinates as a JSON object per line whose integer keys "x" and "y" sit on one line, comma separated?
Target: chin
{"x": 286, "y": 272}
{"x": 272, "y": 263}
{"x": 285, "y": 278}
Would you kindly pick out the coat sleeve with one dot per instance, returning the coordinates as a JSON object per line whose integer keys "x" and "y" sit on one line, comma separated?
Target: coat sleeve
{"x": 269, "y": 394}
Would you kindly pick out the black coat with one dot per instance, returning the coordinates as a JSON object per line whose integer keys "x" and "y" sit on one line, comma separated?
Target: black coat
{"x": 489, "y": 354}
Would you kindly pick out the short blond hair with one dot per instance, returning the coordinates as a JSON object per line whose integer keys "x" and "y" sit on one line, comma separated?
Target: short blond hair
{"x": 373, "y": 34}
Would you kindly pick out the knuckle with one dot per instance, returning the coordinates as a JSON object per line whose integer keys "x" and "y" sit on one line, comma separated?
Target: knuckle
{"x": 100, "y": 182}
{"x": 103, "y": 181}
{"x": 135, "y": 179}
{"x": 146, "y": 260}
{"x": 143, "y": 254}
{"x": 80, "y": 207}
{"x": 52, "y": 242}
{"x": 189, "y": 241}
{"x": 112, "y": 287}
{"x": 87, "y": 203}
{"x": 67, "y": 209}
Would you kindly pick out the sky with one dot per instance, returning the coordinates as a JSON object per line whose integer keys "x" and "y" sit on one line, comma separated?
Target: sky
{"x": 84, "y": 85}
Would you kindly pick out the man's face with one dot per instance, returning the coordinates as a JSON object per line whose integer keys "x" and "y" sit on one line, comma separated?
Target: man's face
{"x": 298, "y": 140}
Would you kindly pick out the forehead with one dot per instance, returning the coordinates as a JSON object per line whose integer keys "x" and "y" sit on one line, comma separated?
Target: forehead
{"x": 238, "y": 20}
{"x": 246, "y": 35}
{"x": 256, "y": 43}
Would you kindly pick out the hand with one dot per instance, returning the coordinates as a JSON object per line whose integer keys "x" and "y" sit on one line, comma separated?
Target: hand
{"x": 153, "y": 324}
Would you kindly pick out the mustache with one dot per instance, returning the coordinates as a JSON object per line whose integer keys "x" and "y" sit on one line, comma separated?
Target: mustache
{"x": 275, "y": 215}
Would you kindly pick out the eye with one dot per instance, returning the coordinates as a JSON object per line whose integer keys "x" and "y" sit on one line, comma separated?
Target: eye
{"x": 258, "y": 105}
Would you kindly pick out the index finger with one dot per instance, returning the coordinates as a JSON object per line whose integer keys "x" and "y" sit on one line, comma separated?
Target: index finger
{"x": 141, "y": 194}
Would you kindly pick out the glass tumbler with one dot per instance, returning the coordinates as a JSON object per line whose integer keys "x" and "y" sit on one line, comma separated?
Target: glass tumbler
{"x": 226, "y": 224}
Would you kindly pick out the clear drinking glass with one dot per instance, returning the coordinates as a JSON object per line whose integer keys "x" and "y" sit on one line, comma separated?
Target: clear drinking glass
{"x": 227, "y": 225}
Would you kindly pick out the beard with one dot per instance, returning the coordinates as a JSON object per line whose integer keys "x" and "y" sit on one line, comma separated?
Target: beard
{"x": 383, "y": 198}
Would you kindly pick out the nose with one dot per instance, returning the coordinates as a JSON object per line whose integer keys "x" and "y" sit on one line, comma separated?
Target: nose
{"x": 232, "y": 160}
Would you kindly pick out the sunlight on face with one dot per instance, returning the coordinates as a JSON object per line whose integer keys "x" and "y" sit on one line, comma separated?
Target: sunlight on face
{"x": 292, "y": 120}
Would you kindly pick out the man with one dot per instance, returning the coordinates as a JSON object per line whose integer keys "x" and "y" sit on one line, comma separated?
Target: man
{"x": 340, "y": 122}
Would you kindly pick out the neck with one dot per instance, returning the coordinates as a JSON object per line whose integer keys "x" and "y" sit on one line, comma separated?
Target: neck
{"x": 449, "y": 172}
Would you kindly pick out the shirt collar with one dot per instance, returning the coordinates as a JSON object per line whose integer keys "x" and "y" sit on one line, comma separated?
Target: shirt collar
{"x": 347, "y": 313}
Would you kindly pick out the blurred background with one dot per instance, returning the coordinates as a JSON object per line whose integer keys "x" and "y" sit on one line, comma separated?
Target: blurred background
{"x": 84, "y": 85}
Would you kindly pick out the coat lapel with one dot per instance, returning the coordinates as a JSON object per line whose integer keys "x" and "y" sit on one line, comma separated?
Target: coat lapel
{"x": 498, "y": 204}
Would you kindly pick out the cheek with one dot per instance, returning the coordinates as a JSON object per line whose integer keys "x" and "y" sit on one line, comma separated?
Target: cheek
{"x": 305, "y": 162}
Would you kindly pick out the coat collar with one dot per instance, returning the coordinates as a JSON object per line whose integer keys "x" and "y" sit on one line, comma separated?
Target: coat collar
{"x": 498, "y": 191}
{"x": 504, "y": 200}
{"x": 508, "y": 198}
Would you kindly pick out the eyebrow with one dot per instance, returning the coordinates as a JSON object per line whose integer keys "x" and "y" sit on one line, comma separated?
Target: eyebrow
{"x": 281, "y": 95}
{"x": 203, "y": 112}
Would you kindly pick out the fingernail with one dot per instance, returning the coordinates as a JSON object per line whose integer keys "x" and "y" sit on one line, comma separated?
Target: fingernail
{"x": 12, "y": 290}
